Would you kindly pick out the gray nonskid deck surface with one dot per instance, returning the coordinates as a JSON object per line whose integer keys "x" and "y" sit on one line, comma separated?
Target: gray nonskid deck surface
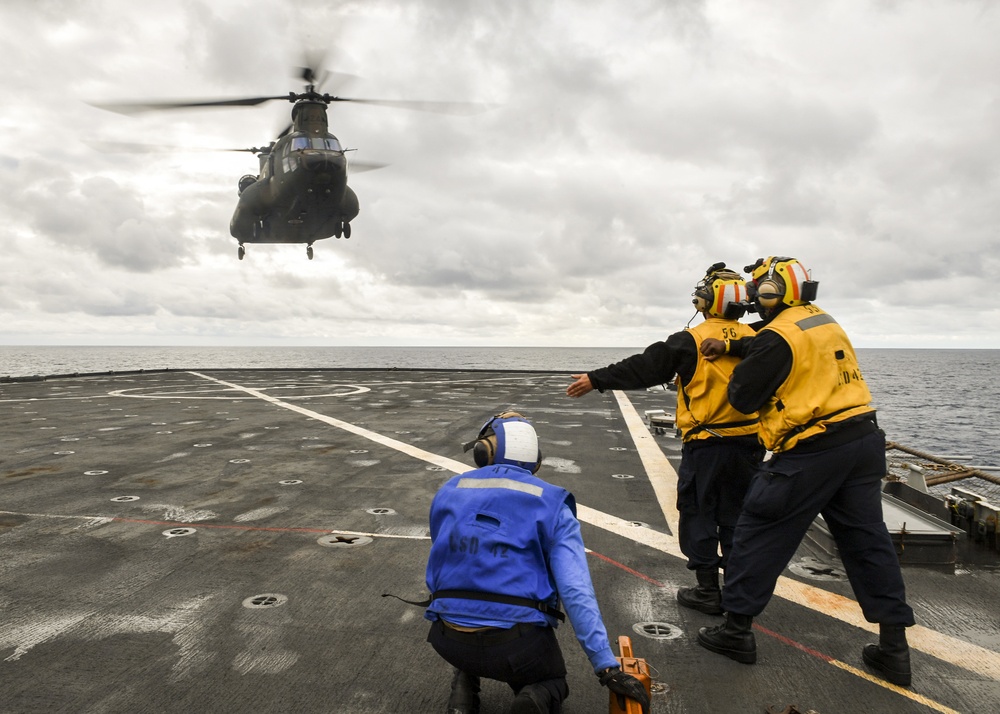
{"x": 220, "y": 541}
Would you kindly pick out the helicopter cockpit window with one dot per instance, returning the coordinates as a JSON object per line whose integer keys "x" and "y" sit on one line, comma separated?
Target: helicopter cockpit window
{"x": 328, "y": 143}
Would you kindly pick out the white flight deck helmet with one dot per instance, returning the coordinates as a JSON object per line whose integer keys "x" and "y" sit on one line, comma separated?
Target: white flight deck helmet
{"x": 507, "y": 438}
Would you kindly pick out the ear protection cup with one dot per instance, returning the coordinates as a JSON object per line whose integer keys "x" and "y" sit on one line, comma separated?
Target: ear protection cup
{"x": 484, "y": 448}
{"x": 484, "y": 451}
{"x": 780, "y": 280}
{"x": 769, "y": 292}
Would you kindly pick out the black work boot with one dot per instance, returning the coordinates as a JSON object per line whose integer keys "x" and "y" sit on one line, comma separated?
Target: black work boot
{"x": 532, "y": 699}
{"x": 706, "y": 596}
{"x": 464, "y": 697}
{"x": 891, "y": 656}
{"x": 733, "y": 638}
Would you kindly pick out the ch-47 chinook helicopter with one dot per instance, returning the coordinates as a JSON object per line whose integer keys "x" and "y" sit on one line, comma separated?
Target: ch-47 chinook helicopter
{"x": 300, "y": 194}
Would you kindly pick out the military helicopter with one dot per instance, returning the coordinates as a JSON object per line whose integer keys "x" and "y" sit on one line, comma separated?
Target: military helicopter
{"x": 300, "y": 194}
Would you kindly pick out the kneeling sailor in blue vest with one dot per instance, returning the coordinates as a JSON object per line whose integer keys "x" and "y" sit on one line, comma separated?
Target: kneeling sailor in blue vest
{"x": 506, "y": 547}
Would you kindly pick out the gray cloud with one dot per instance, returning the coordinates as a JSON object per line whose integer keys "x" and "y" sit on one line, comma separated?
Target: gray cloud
{"x": 623, "y": 154}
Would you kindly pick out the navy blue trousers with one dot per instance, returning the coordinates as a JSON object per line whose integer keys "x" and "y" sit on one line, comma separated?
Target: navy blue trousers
{"x": 533, "y": 657}
{"x": 712, "y": 480}
{"x": 844, "y": 484}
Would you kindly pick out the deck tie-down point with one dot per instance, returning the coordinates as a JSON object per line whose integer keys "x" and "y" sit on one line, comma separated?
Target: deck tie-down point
{"x": 178, "y": 532}
{"x": 335, "y": 540}
{"x": 657, "y": 630}
{"x": 264, "y": 600}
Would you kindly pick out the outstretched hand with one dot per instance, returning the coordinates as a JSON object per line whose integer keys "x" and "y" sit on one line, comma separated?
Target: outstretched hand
{"x": 711, "y": 348}
{"x": 625, "y": 685}
{"x": 580, "y": 387}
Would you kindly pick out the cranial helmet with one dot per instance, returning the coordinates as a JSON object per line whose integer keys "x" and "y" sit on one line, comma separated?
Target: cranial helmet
{"x": 507, "y": 438}
{"x": 721, "y": 293}
{"x": 780, "y": 281}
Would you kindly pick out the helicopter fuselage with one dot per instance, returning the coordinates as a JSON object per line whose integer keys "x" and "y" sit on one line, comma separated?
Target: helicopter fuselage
{"x": 300, "y": 196}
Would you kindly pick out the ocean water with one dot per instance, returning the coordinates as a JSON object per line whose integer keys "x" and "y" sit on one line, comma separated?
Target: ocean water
{"x": 945, "y": 402}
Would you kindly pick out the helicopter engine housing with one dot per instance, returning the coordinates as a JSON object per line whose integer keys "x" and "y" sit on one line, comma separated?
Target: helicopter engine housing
{"x": 246, "y": 182}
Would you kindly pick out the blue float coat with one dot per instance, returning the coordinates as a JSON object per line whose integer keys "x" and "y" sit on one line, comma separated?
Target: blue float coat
{"x": 493, "y": 530}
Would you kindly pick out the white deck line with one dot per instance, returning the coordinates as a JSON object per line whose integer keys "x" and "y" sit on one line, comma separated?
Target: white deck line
{"x": 661, "y": 474}
{"x": 949, "y": 649}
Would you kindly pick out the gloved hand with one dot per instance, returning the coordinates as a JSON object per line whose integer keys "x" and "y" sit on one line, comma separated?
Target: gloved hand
{"x": 625, "y": 685}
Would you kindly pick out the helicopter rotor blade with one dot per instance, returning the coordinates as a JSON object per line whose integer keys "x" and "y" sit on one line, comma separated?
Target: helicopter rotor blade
{"x": 317, "y": 76}
{"x": 140, "y": 107}
{"x": 134, "y": 148}
{"x": 336, "y": 79}
{"x": 455, "y": 108}
{"x": 357, "y": 167}
{"x": 307, "y": 75}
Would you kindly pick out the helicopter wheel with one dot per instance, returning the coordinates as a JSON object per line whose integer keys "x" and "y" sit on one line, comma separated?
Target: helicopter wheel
{"x": 309, "y": 252}
{"x": 347, "y": 230}
{"x": 241, "y": 252}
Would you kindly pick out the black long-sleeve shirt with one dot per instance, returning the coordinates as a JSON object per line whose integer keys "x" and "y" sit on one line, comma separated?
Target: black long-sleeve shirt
{"x": 657, "y": 364}
{"x": 765, "y": 363}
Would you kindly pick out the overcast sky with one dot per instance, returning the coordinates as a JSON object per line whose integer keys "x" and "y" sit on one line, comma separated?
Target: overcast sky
{"x": 631, "y": 145}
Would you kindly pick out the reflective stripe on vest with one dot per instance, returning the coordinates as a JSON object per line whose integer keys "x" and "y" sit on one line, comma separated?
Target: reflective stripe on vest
{"x": 507, "y": 483}
{"x": 824, "y": 386}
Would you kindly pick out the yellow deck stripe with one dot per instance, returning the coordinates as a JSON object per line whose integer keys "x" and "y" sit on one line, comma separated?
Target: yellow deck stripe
{"x": 949, "y": 649}
{"x": 919, "y": 698}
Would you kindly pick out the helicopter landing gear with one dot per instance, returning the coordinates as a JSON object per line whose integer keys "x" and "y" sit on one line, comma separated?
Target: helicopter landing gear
{"x": 309, "y": 252}
{"x": 347, "y": 230}
{"x": 241, "y": 251}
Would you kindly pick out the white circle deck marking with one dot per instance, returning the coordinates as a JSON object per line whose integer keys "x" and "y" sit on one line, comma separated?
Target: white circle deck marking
{"x": 332, "y": 389}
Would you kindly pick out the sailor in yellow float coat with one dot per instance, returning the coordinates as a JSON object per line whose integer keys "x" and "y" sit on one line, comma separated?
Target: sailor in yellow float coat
{"x": 820, "y": 392}
{"x": 721, "y": 451}
{"x": 800, "y": 371}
